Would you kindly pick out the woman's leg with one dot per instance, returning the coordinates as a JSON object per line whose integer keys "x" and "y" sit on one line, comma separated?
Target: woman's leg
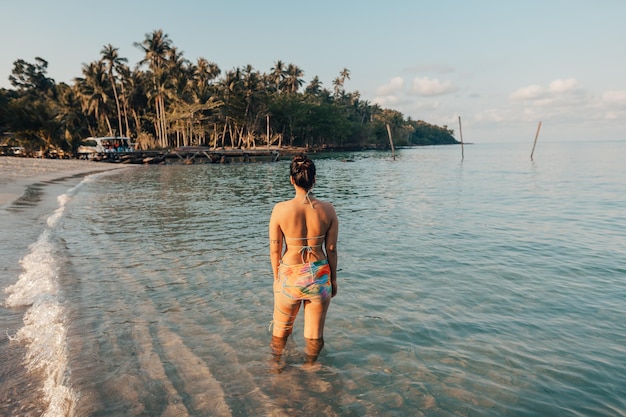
{"x": 314, "y": 318}
{"x": 285, "y": 312}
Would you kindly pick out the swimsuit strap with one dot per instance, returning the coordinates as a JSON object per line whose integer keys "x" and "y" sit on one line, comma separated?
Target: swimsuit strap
{"x": 305, "y": 238}
{"x": 307, "y": 198}
{"x": 306, "y": 250}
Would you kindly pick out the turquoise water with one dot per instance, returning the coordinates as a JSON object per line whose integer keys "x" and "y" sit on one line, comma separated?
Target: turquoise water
{"x": 492, "y": 286}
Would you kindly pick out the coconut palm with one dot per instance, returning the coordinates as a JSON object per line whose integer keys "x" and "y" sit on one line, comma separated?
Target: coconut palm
{"x": 92, "y": 92}
{"x": 338, "y": 86}
{"x": 344, "y": 74}
{"x": 201, "y": 95}
{"x": 156, "y": 46}
{"x": 314, "y": 87}
{"x": 233, "y": 96}
{"x": 126, "y": 83}
{"x": 70, "y": 115}
{"x": 204, "y": 72}
{"x": 277, "y": 74}
{"x": 293, "y": 80}
{"x": 136, "y": 102}
{"x": 112, "y": 61}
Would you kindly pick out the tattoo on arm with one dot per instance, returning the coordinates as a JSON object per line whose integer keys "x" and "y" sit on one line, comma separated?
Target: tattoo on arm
{"x": 274, "y": 241}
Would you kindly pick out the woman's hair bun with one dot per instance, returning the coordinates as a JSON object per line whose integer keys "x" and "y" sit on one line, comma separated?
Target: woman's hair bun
{"x": 302, "y": 170}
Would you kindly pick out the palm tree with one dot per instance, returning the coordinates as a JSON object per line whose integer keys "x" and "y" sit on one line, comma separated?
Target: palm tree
{"x": 113, "y": 60}
{"x": 339, "y": 82}
{"x": 137, "y": 102}
{"x": 92, "y": 92}
{"x": 314, "y": 87}
{"x": 163, "y": 90}
{"x": 69, "y": 115}
{"x": 277, "y": 74}
{"x": 292, "y": 78}
{"x": 203, "y": 73}
{"x": 233, "y": 96}
{"x": 256, "y": 105}
{"x": 202, "y": 92}
{"x": 127, "y": 79}
{"x": 344, "y": 74}
{"x": 156, "y": 47}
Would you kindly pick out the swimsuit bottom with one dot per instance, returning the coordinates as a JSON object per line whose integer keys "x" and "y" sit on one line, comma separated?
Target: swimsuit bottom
{"x": 308, "y": 281}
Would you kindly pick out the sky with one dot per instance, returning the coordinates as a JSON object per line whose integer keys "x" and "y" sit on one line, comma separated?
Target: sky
{"x": 500, "y": 66}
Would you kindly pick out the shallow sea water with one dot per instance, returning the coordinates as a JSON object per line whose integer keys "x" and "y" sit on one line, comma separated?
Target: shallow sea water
{"x": 492, "y": 286}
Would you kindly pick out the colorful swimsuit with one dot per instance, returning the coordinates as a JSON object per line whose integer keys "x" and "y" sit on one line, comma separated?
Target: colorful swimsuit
{"x": 307, "y": 281}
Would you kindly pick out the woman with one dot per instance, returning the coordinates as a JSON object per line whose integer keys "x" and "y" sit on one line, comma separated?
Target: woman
{"x": 305, "y": 273}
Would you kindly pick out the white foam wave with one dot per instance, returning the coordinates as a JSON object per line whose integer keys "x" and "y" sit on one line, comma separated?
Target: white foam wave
{"x": 44, "y": 332}
{"x": 39, "y": 279}
{"x": 64, "y": 198}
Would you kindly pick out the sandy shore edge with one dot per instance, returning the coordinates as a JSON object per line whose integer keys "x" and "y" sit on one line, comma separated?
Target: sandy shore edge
{"x": 18, "y": 173}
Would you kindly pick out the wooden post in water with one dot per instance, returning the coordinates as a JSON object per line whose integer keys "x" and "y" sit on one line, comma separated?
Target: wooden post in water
{"x": 393, "y": 151}
{"x": 535, "y": 143}
{"x": 268, "y": 131}
{"x": 461, "y": 133}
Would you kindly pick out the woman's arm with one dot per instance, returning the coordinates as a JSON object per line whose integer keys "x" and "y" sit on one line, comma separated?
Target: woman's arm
{"x": 331, "y": 249}
{"x": 276, "y": 241}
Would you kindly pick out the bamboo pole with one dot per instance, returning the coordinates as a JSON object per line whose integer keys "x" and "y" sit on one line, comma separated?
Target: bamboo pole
{"x": 268, "y": 131}
{"x": 393, "y": 151}
{"x": 224, "y": 133}
{"x": 461, "y": 133}
{"x": 535, "y": 143}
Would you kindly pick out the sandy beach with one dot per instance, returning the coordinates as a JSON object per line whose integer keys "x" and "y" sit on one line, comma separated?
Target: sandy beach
{"x": 16, "y": 174}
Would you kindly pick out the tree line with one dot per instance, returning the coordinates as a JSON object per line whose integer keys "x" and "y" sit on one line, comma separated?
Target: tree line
{"x": 168, "y": 101}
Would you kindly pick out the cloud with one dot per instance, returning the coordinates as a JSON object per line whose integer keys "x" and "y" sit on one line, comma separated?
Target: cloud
{"x": 394, "y": 86}
{"x": 426, "y": 86}
{"x": 614, "y": 98}
{"x": 556, "y": 90}
{"x": 563, "y": 86}
{"x": 386, "y": 101}
{"x": 491, "y": 116}
{"x": 532, "y": 92}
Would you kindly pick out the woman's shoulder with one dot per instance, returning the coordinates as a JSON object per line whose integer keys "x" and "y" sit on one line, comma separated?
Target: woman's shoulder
{"x": 282, "y": 205}
{"x": 326, "y": 206}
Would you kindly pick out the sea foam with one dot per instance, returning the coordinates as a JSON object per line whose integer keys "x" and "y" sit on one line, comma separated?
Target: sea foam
{"x": 44, "y": 332}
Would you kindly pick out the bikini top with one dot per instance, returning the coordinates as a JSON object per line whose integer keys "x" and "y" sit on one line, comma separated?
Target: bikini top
{"x": 306, "y": 250}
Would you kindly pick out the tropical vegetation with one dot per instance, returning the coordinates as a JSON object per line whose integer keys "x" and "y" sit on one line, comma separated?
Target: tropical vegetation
{"x": 166, "y": 101}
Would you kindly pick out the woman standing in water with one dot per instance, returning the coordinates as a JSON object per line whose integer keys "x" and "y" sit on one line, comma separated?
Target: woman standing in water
{"x": 305, "y": 273}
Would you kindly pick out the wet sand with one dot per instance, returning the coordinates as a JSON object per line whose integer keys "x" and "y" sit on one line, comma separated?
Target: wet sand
{"x": 16, "y": 174}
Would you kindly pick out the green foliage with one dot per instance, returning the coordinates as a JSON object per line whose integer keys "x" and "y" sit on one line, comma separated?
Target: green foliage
{"x": 426, "y": 134}
{"x": 177, "y": 103}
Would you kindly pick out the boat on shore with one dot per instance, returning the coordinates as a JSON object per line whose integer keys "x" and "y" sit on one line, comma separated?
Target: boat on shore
{"x": 111, "y": 148}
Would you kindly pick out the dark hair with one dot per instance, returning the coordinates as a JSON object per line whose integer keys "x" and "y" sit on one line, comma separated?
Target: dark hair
{"x": 302, "y": 170}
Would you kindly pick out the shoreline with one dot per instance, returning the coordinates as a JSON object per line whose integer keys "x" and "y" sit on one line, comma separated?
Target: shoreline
{"x": 17, "y": 174}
